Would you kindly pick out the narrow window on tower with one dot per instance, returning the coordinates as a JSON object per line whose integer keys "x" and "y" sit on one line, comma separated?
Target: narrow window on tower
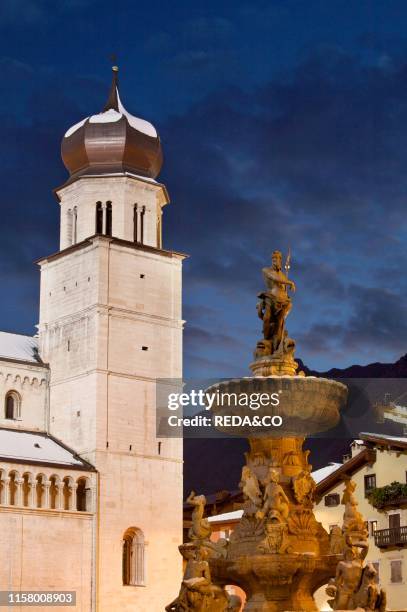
{"x": 143, "y": 212}
{"x": 135, "y": 223}
{"x": 159, "y": 232}
{"x": 108, "y": 218}
{"x": 99, "y": 218}
{"x": 69, "y": 226}
{"x": 75, "y": 224}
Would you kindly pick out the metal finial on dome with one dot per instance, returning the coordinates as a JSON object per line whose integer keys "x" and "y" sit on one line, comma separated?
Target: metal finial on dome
{"x": 113, "y": 99}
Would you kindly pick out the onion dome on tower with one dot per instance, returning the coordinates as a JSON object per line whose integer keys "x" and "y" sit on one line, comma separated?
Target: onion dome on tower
{"x": 112, "y": 141}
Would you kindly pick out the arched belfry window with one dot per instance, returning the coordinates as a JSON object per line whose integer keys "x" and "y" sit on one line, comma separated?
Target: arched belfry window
{"x": 108, "y": 218}
{"x": 133, "y": 557}
{"x": 99, "y": 218}
{"x": 12, "y": 405}
{"x": 103, "y": 218}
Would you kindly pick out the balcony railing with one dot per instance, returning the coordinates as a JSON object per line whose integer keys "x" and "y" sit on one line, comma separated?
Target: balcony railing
{"x": 385, "y": 538}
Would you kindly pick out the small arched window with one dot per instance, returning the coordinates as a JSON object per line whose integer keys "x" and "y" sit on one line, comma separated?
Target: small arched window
{"x": 83, "y": 495}
{"x": 99, "y": 218}
{"x": 108, "y": 218}
{"x": 133, "y": 557}
{"x": 12, "y": 405}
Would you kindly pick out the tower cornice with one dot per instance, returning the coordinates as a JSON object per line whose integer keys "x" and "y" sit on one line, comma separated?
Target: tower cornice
{"x": 73, "y": 183}
{"x": 107, "y": 239}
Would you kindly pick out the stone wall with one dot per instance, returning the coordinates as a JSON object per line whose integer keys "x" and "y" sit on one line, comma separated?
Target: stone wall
{"x": 30, "y": 382}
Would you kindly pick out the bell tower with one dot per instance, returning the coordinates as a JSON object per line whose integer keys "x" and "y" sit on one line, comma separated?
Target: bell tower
{"x": 110, "y": 325}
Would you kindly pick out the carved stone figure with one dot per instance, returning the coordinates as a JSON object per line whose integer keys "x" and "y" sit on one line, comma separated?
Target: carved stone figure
{"x": 276, "y": 540}
{"x": 250, "y": 487}
{"x": 275, "y": 302}
{"x": 286, "y": 347}
{"x": 354, "y": 586}
{"x": 200, "y": 529}
{"x": 346, "y": 582}
{"x": 263, "y": 349}
{"x": 197, "y": 592}
{"x": 353, "y": 522}
{"x": 304, "y": 486}
{"x": 369, "y": 596}
{"x": 336, "y": 541}
{"x": 276, "y": 502}
{"x": 274, "y": 354}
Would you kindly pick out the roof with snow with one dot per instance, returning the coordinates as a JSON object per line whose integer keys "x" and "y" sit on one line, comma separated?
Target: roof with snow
{"x": 384, "y": 440}
{"x": 18, "y": 446}
{"x": 324, "y": 472}
{"x": 19, "y": 347}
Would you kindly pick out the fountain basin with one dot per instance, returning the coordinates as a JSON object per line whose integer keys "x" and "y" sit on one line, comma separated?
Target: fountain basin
{"x": 306, "y": 404}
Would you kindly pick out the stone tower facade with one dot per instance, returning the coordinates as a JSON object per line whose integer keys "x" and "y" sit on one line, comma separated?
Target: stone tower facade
{"x": 110, "y": 325}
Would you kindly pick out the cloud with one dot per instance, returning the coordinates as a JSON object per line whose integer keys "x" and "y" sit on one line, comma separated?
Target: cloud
{"x": 316, "y": 161}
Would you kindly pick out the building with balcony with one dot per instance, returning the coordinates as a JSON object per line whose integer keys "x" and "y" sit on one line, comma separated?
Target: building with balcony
{"x": 376, "y": 461}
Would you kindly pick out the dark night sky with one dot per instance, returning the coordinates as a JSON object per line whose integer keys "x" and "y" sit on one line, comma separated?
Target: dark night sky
{"x": 283, "y": 123}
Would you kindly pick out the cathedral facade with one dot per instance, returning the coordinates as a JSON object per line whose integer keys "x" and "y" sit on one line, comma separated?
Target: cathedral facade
{"x": 90, "y": 498}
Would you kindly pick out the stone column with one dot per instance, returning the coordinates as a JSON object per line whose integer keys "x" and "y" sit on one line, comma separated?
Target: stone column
{"x": 6, "y": 491}
{"x": 59, "y": 501}
{"x": 18, "y": 500}
{"x": 73, "y": 502}
{"x": 47, "y": 486}
{"x": 32, "y": 502}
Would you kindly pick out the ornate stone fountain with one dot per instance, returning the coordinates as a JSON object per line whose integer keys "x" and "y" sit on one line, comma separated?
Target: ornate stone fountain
{"x": 279, "y": 554}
